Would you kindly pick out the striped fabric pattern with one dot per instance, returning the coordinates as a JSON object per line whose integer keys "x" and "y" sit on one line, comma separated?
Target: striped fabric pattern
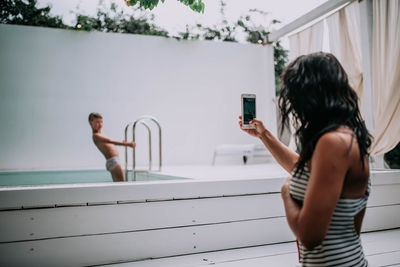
{"x": 342, "y": 245}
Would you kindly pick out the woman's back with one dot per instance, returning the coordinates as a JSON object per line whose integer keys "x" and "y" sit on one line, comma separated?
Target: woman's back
{"x": 326, "y": 197}
{"x": 341, "y": 245}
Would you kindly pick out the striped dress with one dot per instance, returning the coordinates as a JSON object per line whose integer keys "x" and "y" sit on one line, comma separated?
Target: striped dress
{"x": 342, "y": 245}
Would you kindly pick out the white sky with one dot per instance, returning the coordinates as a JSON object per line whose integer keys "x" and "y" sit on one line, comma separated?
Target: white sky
{"x": 174, "y": 16}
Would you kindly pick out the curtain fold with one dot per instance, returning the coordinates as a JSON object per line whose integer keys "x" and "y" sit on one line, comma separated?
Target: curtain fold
{"x": 386, "y": 75}
{"x": 307, "y": 41}
{"x": 345, "y": 43}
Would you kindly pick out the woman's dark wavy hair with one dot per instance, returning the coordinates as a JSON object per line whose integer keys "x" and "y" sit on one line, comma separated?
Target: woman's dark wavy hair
{"x": 317, "y": 93}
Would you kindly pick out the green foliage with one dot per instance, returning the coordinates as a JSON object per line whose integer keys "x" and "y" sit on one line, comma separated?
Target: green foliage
{"x": 280, "y": 60}
{"x": 223, "y": 31}
{"x": 26, "y": 13}
{"x": 392, "y": 158}
{"x": 196, "y": 5}
{"x": 112, "y": 20}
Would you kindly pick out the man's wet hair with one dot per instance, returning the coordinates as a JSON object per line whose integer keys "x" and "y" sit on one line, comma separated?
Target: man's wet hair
{"x": 94, "y": 115}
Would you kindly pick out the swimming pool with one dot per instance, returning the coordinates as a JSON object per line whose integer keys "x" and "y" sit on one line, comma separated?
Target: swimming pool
{"x": 32, "y": 178}
{"x": 179, "y": 172}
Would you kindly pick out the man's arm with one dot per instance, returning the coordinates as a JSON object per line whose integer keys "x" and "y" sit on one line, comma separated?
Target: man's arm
{"x": 104, "y": 139}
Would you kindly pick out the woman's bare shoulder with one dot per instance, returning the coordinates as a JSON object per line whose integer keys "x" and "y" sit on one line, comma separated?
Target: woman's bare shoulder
{"x": 337, "y": 141}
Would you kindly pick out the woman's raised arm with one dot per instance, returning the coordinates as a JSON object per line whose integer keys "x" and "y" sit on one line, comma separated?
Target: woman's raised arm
{"x": 286, "y": 157}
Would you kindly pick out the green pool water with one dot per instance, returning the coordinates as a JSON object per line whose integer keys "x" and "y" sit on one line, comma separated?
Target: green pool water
{"x": 22, "y": 178}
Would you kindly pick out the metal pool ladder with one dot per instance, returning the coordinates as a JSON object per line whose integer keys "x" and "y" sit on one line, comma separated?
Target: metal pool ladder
{"x": 142, "y": 120}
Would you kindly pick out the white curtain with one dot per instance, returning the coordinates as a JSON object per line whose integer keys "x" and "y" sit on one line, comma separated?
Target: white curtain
{"x": 304, "y": 42}
{"x": 345, "y": 43}
{"x": 386, "y": 75}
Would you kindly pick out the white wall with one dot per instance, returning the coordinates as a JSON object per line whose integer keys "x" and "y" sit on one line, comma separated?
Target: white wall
{"x": 51, "y": 79}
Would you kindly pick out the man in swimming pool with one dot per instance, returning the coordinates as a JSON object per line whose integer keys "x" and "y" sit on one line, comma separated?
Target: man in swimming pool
{"x": 107, "y": 147}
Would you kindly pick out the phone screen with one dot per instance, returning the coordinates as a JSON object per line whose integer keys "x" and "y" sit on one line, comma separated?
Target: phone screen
{"x": 249, "y": 109}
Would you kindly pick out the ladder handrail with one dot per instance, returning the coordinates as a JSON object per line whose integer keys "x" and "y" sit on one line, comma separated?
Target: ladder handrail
{"x": 126, "y": 151}
{"x": 142, "y": 120}
{"x": 133, "y": 138}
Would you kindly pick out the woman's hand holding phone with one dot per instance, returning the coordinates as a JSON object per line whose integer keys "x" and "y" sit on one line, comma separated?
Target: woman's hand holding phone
{"x": 258, "y": 130}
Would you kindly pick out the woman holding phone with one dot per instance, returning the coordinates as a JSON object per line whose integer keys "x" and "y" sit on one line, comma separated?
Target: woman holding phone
{"x": 326, "y": 196}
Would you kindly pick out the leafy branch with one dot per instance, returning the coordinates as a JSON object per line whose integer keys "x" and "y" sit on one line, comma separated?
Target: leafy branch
{"x": 22, "y": 13}
{"x": 196, "y": 5}
{"x": 114, "y": 20}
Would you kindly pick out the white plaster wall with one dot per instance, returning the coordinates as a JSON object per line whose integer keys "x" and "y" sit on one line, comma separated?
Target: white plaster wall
{"x": 51, "y": 79}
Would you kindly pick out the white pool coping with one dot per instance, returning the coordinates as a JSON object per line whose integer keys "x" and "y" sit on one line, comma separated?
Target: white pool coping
{"x": 204, "y": 181}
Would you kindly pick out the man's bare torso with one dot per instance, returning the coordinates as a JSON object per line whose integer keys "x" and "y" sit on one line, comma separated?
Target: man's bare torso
{"x": 108, "y": 150}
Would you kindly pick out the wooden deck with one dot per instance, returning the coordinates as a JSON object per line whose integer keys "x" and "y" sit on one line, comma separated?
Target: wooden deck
{"x": 382, "y": 248}
{"x": 236, "y": 211}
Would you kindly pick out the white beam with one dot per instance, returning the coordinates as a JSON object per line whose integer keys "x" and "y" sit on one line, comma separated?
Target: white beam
{"x": 308, "y": 17}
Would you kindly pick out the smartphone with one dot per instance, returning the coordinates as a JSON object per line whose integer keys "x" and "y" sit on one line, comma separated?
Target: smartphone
{"x": 248, "y": 110}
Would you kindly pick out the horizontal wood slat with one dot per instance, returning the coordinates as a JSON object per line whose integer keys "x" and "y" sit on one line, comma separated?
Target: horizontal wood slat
{"x": 73, "y": 221}
{"x": 382, "y": 195}
{"x": 381, "y": 249}
{"x": 102, "y": 249}
{"x": 381, "y": 218}
{"x": 132, "y": 192}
